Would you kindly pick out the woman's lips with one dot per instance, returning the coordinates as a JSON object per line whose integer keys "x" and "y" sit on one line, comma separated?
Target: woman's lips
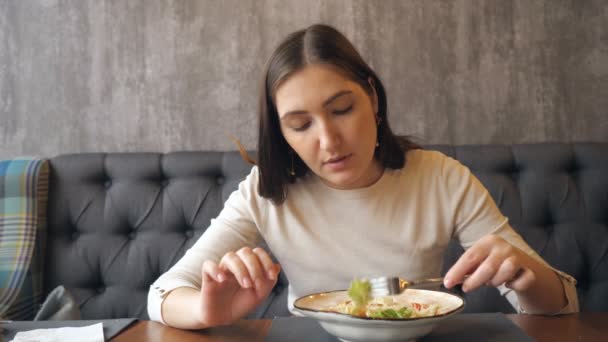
{"x": 337, "y": 164}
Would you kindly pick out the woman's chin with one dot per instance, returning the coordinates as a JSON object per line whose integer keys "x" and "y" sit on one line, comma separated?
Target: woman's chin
{"x": 343, "y": 181}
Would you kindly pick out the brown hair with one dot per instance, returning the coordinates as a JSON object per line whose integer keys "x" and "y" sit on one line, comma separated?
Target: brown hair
{"x": 317, "y": 44}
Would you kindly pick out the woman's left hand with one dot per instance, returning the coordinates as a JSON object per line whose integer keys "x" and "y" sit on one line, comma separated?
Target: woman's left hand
{"x": 492, "y": 261}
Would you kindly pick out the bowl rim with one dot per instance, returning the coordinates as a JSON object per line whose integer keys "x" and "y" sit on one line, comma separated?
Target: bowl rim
{"x": 448, "y": 313}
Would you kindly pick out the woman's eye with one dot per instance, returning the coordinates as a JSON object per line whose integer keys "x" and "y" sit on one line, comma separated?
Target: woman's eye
{"x": 301, "y": 127}
{"x": 343, "y": 111}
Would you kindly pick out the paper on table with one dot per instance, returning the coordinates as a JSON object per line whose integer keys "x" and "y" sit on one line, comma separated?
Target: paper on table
{"x": 91, "y": 333}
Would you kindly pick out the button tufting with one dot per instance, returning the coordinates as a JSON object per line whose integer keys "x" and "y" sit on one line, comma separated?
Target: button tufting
{"x": 107, "y": 184}
{"x": 164, "y": 183}
{"x": 132, "y": 235}
{"x": 75, "y": 235}
{"x": 189, "y": 233}
{"x": 101, "y": 290}
{"x": 220, "y": 180}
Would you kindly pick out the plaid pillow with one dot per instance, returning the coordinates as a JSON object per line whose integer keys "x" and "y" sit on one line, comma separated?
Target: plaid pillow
{"x": 23, "y": 200}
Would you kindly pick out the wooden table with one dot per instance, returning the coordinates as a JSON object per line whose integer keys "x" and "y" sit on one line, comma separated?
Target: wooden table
{"x": 586, "y": 326}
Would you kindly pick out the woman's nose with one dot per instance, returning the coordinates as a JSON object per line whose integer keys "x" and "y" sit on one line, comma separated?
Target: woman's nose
{"x": 329, "y": 137}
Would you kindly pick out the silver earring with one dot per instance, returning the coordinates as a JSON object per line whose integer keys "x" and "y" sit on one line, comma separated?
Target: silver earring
{"x": 292, "y": 172}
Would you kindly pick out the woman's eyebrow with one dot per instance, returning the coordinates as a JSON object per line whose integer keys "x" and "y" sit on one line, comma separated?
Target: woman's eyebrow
{"x": 335, "y": 96}
{"x": 292, "y": 112}
{"x": 325, "y": 103}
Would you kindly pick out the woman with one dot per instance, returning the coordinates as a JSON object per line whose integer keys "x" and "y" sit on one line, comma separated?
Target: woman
{"x": 336, "y": 196}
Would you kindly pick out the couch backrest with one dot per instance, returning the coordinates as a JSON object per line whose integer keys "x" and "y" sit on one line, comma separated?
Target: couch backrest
{"x": 117, "y": 221}
{"x": 556, "y": 197}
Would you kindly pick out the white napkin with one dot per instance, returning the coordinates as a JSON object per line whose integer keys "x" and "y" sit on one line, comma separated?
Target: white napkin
{"x": 91, "y": 333}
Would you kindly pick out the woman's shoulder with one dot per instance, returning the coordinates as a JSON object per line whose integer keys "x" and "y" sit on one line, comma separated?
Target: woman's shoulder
{"x": 247, "y": 187}
{"x": 431, "y": 162}
{"x": 426, "y": 158}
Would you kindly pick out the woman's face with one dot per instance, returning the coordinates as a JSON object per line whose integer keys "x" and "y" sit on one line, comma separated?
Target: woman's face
{"x": 330, "y": 122}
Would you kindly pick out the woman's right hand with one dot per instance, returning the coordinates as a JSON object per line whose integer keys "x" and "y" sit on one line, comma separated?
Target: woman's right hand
{"x": 235, "y": 286}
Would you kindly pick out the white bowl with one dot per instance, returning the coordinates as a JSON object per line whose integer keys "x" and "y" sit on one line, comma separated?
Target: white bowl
{"x": 357, "y": 329}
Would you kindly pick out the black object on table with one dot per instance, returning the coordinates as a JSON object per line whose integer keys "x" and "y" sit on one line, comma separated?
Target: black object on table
{"x": 494, "y": 327}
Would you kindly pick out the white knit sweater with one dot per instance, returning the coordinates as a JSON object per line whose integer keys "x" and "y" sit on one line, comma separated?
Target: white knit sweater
{"x": 324, "y": 237}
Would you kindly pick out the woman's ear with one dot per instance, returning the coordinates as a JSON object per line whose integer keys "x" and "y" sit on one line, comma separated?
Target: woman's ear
{"x": 373, "y": 95}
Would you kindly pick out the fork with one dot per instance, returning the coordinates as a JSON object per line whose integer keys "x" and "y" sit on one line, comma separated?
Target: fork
{"x": 389, "y": 286}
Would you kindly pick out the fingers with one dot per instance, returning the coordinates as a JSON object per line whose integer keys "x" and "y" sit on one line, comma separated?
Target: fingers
{"x": 467, "y": 263}
{"x": 211, "y": 271}
{"x": 250, "y": 267}
{"x": 484, "y": 273}
{"x": 253, "y": 264}
{"x": 523, "y": 280}
{"x": 507, "y": 271}
{"x": 270, "y": 268}
{"x": 235, "y": 265}
{"x": 493, "y": 262}
{"x": 497, "y": 270}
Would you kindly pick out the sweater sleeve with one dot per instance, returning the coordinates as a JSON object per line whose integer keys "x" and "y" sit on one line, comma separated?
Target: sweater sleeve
{"x": 236, "y": 226}
{"x": 476, "y": 215}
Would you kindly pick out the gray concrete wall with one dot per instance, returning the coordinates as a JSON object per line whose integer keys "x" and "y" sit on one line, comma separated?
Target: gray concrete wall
{"x": 161, "y": 75}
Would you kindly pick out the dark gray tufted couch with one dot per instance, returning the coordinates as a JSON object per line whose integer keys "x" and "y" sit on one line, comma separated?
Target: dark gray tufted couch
{"x": 117, "y": 221}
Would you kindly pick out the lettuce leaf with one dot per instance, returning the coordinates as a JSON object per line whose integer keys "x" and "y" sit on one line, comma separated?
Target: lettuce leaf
{"x": 391, "y": 313}
{"x": 360, "y": 293}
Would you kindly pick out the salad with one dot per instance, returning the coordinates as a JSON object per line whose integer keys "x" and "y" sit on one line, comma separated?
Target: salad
{"x": 361, "y": 304}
